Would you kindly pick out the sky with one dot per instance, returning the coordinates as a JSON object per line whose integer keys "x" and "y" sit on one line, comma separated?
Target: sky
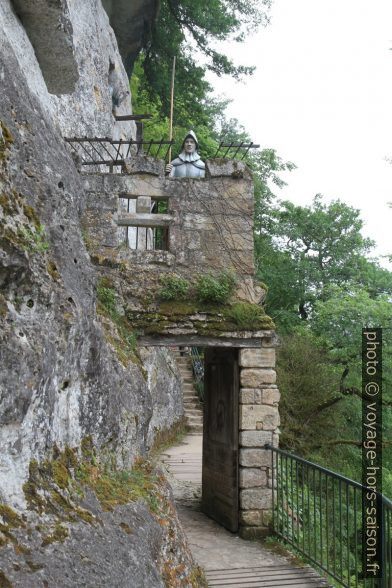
{"x": 322, "y": 97}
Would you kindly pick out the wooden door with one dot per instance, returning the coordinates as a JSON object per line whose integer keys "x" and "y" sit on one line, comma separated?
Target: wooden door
{"x": 220, "y": 437}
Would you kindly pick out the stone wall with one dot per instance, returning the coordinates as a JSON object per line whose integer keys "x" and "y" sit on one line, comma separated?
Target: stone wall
{"x": 259, "y": 425}
{"x": 210, "y": 223}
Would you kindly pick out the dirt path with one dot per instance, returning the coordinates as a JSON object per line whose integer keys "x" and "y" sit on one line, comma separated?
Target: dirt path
{"x": 227, "y": 559}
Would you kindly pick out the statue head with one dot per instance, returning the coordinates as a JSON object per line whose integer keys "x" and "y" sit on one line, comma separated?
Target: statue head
{"x": 190, "y": 143}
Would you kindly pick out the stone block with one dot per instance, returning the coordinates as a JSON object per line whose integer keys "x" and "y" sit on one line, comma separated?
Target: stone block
{"x": 255, "y": 438}
{"x": 258, "y": 396}
{"x": 143, "y": 204}
{"x": 256, "y": 498}
{"x": 247, "y": 396}
{"x": 251, "y": 518}
{"x": 253, "y": 532}
{"x": 144, "y": 164}
{"x": 252, "y": 477}
{"x": 256, "y": 377}
{"x": 226, "y": 167}
{"x": 257, "y": 358}
{"x": 254, "y": 457}
{"x": 270, "y": 396}
{"x": 251, "y": 414}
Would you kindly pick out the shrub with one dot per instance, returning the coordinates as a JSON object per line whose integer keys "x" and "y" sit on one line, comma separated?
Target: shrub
{"x": 246, "y": 314}
{"x": 107, "y": 297}
{"x": 173, "y": 288}
{"x": 215, "y": 288}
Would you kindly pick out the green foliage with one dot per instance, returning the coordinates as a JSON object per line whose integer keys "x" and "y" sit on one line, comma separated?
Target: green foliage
{"x": 307, "y": 514}
{"x": 173, "y": 288}
{"x": 34, "y": 240}
{"x": 185, "y": 29}
{"x": 124, "y": 338}
{"x": 114, "y": 487}
{"x": 310, "y": 398}
{"x": 216, "y": 289}
{"x": 107, "y": 297}
{"x": 245, "y": 314}
{"x": 308, "y": 249}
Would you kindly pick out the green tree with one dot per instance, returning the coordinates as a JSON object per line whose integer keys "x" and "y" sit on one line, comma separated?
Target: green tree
{"x": 313, "y": 246}
{"x": 186, "y": 29}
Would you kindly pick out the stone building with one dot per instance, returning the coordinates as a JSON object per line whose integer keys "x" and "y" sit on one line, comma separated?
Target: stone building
{"x": 206, "y": 229}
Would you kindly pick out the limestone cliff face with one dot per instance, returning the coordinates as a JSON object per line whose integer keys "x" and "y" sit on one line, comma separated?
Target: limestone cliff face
{"x": 64, "y": 376}
{"x": 131, "y": 22}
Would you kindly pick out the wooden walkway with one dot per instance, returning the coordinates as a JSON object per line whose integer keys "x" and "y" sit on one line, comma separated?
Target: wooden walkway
{"x": 228, "y": 560}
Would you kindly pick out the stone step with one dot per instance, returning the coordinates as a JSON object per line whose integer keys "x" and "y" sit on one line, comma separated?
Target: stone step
{"x": 192, "y": 403}
{"x": 195, "y": 418}
{"x": 188, "y": 387}
{"x": 193, "y": 412}
{"x": 193, "y": 426}
{"x": 187, "y": 377}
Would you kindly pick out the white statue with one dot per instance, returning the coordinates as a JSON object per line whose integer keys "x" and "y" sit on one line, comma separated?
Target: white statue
{"x": 188, "y": 164}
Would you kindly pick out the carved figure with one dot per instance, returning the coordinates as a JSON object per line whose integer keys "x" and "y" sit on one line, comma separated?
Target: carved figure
{"x": 188, "y": 164}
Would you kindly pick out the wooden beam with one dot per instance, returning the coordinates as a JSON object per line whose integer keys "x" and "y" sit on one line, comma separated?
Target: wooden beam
{"x": 130, "y": 219}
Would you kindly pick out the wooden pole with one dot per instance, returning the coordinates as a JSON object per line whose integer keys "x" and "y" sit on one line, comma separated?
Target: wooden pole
{"x": 171, "y": 106}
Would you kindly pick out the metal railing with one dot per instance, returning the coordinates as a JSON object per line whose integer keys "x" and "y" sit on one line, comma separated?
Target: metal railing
{"x": 103, "y": 151}
{"x": 234, "y": 149}
{"x": 198, "y": 371}
{"x": 319, "y": 513}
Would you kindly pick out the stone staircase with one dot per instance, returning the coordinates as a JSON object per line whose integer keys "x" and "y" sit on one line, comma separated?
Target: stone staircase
{"x": 192, "y": 406}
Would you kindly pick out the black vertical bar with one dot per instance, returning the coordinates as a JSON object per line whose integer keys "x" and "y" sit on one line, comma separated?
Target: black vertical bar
{"x": 321, "y": 520}
{"x": 308, "y": 509}
{"x": 314, "y": 514}
{"x": 297, "y": 499}
{"x": 348, "y": 531}
{"x": 389, "y": 549}
{"x": 273, "y": 489}
{"x": 291, "y": 500}
{"x": 327, "y": 517}
{"x": 139, "y": 137}
{"x": 333, "y": 526}
{"x": 127, "y": 231}
{"x": 355, "y": 537}
{"x": 287, "y": 498}
{"x": 340, "y": 528}
{"x": 303, "y": 505}
{"x": 281, "y": 492}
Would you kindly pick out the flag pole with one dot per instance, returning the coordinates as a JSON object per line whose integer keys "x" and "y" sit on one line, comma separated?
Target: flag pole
{"x": 171, "y": 106}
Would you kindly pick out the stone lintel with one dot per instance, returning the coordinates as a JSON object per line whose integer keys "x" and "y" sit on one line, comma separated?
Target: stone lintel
{"x": 197, "y": 341}
{"x": 131, "y": 219}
